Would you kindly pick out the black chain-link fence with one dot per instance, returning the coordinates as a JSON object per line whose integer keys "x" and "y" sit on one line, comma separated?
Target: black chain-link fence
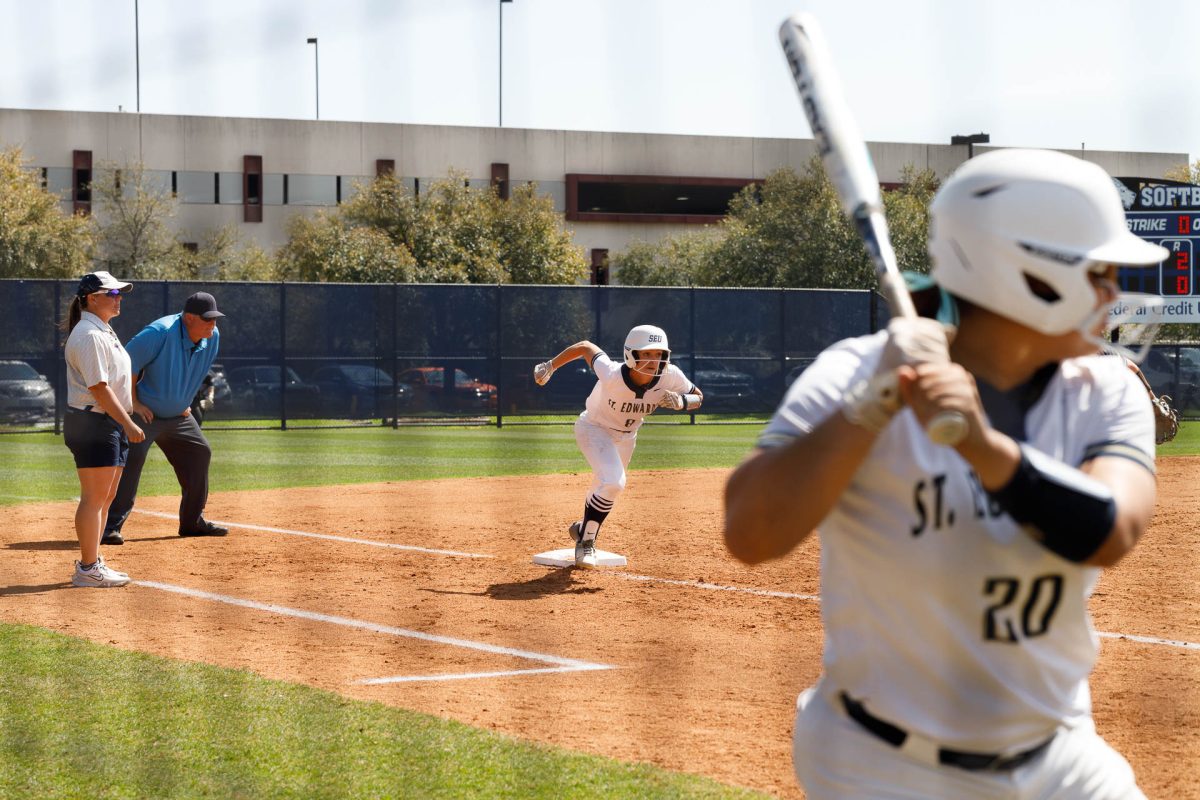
{"x": 400, "y": 353}
{"x": 317, "y": 353}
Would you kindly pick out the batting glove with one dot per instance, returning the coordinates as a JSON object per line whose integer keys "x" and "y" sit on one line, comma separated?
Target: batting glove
{"x": 542, "y": 372}
{"x": 671, "y": 400}
{"x": 915, "y": 341}
{"x": 873, "y": 402}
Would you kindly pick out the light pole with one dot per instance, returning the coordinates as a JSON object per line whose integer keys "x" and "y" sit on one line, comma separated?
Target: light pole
{"x": 970, "y": 140}
{"x": 137, "y": 58}
{"x": 316, "y": 71}
{"x": 501, "y": 71}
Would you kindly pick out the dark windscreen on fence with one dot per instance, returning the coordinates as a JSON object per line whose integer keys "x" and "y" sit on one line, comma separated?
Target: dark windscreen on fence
{"x": 304, "y": 354}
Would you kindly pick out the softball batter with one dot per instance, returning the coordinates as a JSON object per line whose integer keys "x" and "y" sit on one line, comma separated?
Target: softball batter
{"x": 954, "y": 582}
{"x": 624, "y": 395}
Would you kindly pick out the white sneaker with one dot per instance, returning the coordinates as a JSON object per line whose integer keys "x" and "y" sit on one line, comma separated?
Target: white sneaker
{"x": 585, "y": 554}
{"x": 576, "y": 531}
{"x": 103, "y": 563}
{"x": 98, "y": 576}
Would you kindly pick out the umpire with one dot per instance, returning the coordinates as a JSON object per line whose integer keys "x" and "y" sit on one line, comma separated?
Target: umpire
{"x": 171, "y": 357}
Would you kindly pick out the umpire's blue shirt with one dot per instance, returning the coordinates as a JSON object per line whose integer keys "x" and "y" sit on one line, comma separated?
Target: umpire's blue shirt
{"x": 174, "y": 366}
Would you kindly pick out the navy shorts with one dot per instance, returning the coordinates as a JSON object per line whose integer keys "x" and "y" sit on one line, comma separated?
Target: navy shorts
{"x": 96, "y": 440}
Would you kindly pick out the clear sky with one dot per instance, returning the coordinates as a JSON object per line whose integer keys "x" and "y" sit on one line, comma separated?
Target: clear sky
{"x": 1100, "y": 74}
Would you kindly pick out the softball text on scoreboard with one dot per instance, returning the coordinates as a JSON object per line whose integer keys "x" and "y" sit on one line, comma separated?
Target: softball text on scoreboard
{"x": 1168, "y": 214}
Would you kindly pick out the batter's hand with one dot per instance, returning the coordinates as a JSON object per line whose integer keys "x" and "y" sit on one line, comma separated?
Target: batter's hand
{"x": 671, "y": 400}
{"x": 542, "y": 372}
{"x": 915, "y": 341}
{"x": 873, "y": 402}
{"x": 930, "y": 389}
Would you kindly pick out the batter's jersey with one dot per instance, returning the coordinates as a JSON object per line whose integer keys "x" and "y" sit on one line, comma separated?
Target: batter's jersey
{"x": 617, "y": 403}
{"x": 940, "y": 614}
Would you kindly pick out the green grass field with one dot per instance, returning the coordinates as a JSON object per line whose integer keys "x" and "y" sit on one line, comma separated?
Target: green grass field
{"x": 38, "y": 466}
{"x": 80, "y": 720}
{"x": 147, "y": 727}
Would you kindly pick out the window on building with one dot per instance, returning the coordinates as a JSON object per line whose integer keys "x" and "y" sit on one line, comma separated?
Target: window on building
{"x": 649, "y": 198}
{"x": 82, "y": 185}
{"x": 229, "y": 188}
{"x": 274, "y": 191}
{"x": 196, "y": 187}
{"x": 312, "y": 190}
{"x": 252, "y": 189}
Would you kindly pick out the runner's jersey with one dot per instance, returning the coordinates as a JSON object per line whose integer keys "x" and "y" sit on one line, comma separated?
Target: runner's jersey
{"x": 617, "y": 403}
{"x": 940, "y": 614}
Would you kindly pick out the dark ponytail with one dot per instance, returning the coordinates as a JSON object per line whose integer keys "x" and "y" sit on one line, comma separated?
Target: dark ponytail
{"x": 74, "y": 313}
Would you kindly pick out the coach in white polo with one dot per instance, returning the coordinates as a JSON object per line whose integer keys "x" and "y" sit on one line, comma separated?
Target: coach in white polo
{"x": 170, "y": 357}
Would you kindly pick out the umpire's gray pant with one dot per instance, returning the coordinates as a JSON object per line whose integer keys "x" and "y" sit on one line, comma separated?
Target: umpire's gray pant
{"x": 187, "y": 451}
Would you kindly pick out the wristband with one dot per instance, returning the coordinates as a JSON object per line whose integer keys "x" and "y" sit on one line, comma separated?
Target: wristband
{"x": 1068, "y": 512}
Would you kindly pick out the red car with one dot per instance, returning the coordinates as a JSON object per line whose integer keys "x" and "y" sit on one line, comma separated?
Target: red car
{"x": 429, "y": 388}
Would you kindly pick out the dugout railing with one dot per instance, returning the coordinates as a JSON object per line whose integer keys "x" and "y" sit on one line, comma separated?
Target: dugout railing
{"x": 309, "y": 354}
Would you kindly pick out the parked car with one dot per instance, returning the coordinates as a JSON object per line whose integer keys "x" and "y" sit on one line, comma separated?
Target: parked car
{"x": 256, "y": 390}
{"x": 1159, "y": 369}
{"x": 724, "y": 389}
{"x": 466, "y": 393}
{"x": 360, "y": 390}
{"x": 24, "y": 394}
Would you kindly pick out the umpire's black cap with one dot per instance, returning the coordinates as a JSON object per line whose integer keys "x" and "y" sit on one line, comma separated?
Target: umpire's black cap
{"x": 203, "y": 305}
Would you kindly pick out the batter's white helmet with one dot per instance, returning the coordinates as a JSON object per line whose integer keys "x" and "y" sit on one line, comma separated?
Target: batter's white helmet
{"x": 647, "y": 337}
{"x": 1008, "y": 216}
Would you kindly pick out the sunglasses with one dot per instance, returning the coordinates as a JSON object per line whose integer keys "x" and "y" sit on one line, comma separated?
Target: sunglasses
{"x": 111, "y": 292}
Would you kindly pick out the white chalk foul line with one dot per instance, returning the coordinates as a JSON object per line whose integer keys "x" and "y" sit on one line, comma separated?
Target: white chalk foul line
{"x": 712, "y": 587}
{"x": 466, "y": 675}
{"x": 1150, "y": 640}
{"x": 328, "y": 536}
{"x": 563, "y": 664}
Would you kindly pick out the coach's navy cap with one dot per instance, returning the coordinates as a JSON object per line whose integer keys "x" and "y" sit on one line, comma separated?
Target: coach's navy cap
{"x": 98, "y": 282}
{"x": 203, "y": 305}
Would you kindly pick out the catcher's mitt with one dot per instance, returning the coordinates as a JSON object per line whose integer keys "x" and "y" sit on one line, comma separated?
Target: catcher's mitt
{"x": 1166, "y": 419}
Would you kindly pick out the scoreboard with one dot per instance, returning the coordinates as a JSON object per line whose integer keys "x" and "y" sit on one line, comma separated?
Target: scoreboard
{"x": 1167, "y": 213}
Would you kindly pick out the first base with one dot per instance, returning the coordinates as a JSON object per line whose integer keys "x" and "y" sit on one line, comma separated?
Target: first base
{"x": 566, "y": 558}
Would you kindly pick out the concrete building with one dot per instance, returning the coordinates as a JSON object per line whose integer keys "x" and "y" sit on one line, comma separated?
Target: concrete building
{"x": 612, "y": 188}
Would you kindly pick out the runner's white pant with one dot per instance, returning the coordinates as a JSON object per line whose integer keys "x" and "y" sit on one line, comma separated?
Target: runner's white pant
{"x": 607, "y": 452}
{"x": 835, "y": 757}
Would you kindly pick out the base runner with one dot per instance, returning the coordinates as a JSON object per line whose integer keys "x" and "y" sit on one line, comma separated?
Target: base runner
{"x": 624, "y": 395}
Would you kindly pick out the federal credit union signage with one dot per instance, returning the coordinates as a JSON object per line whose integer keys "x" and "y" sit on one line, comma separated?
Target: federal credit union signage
{"x": 1167, "y": 213}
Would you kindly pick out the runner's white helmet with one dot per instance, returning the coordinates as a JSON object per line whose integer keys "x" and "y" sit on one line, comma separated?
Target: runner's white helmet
{"x": 1008, "y": 216}
{"x": 647, "y": 337}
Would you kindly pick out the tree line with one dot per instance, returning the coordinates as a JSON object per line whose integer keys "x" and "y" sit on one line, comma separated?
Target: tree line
{"x": 785, "y": 231}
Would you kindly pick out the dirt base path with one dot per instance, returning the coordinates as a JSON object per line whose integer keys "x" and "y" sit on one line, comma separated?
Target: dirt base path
{"x": 706, "y": 655}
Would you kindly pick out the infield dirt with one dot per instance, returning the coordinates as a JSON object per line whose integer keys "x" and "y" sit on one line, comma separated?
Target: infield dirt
{"x": 705, "y": 673}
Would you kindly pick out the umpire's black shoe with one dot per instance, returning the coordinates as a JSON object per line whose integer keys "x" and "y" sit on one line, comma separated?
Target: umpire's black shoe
{"x": 112, "y": 537}
{"x": 205, "y": 528}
